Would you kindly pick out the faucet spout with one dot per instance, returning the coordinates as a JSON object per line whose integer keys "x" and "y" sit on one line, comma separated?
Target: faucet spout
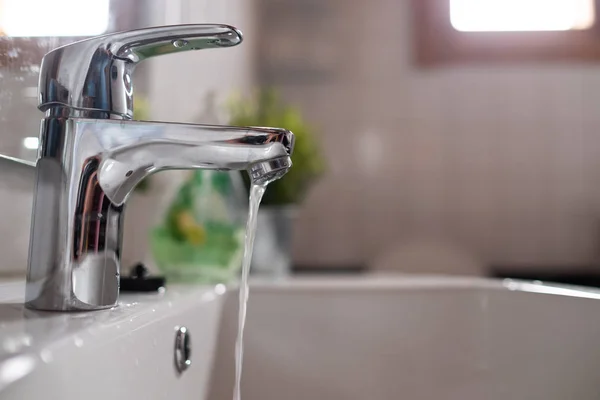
{"x": 131, "y": 150}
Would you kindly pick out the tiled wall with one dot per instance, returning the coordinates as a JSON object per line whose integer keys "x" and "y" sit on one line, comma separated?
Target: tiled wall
{"x": 19, "y": 118}
{"x": 501, "y": 161}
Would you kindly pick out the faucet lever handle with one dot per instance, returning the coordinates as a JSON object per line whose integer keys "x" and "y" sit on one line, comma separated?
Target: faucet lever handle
{"x": 140, "y": 44}
{"x": 92, "y": 77}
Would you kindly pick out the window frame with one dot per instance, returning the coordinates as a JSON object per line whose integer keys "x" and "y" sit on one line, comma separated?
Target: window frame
{"x": 437, "y": 42}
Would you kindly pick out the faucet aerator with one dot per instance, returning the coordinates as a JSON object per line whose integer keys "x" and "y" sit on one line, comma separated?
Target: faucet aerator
{"x": 265, "y": 172}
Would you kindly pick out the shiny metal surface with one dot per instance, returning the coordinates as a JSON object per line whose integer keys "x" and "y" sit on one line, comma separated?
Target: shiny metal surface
{"x": 183, "y": 349}
{"x": 86, "y": 170}
{"x": 92, "y": 155}
{"x": 93, "y": 77}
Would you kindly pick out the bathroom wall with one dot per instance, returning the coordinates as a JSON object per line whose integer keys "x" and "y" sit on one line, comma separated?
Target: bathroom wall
{"x": 502, "y": 162}
{"x": 18, "y": 119}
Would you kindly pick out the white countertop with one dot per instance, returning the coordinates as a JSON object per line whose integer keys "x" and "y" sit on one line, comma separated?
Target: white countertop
{"x": 44, "y": 332}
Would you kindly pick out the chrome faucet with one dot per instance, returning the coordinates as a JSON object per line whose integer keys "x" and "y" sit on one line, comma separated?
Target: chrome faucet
{"x": 92, "y": 155}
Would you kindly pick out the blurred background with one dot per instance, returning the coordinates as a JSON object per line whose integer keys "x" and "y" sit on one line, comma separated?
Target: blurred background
{"x": 457, "y": 136}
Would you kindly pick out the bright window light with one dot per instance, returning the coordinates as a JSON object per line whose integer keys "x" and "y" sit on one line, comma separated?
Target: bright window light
{"x": 53, "y": 17}
{"x": 31, "y": 143}
{"x": 521, "y": 15}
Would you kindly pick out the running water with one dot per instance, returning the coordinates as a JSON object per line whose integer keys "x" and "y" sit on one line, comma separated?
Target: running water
{"x": 256, "y": 194}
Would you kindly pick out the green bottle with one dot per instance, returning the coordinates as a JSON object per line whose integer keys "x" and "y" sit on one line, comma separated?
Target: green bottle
{"x": 202, "y": 236}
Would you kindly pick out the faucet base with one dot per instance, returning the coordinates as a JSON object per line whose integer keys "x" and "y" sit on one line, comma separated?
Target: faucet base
{"x": 33, "y": 306}
{"x": 93, "y": 284}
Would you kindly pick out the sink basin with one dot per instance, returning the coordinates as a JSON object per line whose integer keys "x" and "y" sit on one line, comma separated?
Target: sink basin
{"x": 389, "y": 338}
{"x": 123, "y": 353}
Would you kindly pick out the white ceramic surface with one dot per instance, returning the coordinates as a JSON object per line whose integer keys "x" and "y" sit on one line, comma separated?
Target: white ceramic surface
{"x": 123, "y": 353}
{"x": 390, "y": 338}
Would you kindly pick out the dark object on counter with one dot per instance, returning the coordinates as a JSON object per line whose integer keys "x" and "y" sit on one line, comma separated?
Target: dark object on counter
{"x": 139, "y": 281}
{"x": 328, "y": 269}
{"x": 580, "y": 276}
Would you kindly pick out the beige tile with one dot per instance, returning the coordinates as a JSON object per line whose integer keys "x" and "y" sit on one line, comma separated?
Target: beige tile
{"x": 330, "y": 225}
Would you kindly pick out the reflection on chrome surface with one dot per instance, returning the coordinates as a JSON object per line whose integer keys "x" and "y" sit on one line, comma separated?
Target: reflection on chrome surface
{"x": 92, "y": 154}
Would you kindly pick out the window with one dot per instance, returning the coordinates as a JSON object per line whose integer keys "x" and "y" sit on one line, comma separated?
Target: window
{"x": 53, "y": 18}
{"x": 31, "y": 28}
{"x": 521, "y": 15}
{"x": 450, "y": 31}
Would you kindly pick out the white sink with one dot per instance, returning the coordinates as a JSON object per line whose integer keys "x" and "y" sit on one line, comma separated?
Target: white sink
{"x": 123, "y": 353}
{"x": 413, "y": 338}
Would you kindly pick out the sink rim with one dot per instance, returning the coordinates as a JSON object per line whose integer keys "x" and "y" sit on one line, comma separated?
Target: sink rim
{"x": 406, "y": 282}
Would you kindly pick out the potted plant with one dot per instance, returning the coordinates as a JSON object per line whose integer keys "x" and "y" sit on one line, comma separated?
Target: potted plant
{"x": 272, "y": 250}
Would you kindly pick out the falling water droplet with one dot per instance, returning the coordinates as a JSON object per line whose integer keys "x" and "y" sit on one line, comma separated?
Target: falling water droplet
{"x": 180, "y": 43}
{"x": 26, "y": 340}
{"x": 220, "y": 288}
{"x": 46, "y": 356}
{"x": 78, "y": 342}
{"x": 10, "y": 345}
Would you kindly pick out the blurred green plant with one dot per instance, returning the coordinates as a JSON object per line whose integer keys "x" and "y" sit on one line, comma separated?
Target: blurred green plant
{"x": 141, "y": 109}
{"x": 141, "y": 112}
{"x": 266, "y": 108}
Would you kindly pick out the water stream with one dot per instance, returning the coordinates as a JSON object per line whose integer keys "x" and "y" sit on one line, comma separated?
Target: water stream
{"x": 256, "y": 194}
